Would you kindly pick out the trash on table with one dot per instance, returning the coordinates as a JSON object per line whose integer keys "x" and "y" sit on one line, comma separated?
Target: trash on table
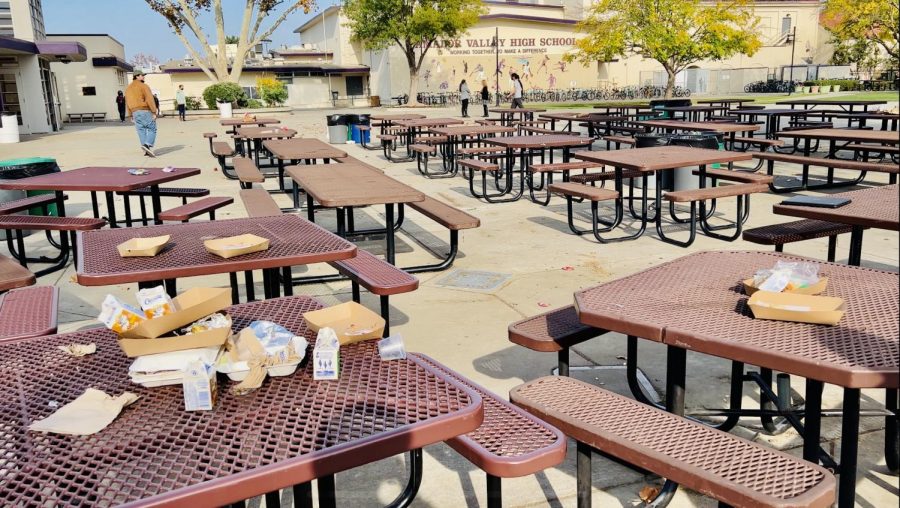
{"x": 326, "y": 355}
{"x": 199, "y": 385}
{"x": 79, "y": 349}
{"x": 138, "y": 172}
{"x": 119, "y": 317}
{"x": 392, "y": 348}
{"x": 155, "y": 302}
{"x": 90, "y": 413}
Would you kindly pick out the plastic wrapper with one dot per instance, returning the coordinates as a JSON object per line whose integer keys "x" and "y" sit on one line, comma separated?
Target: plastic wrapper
{"x": 210, "y": 322}
{"x": 155, "y": 302}
{"x": 119, "y": 317}
{"x": 787, "y": 275}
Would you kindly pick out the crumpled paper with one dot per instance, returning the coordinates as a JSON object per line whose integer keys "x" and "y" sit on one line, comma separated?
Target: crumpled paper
{"x": 90, "y": 413}
{"x": 79, "y": 349}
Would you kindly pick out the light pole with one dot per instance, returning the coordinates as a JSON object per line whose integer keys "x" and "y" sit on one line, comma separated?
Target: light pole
{"x": 793, "y": 38}
{"x": 497, "y": 63}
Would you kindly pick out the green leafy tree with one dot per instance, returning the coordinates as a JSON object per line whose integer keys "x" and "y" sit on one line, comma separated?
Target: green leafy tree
{"x": 272, "y": 91}
{"x": 232, "y": 39}
{"x": 675, "y": 33}
{"x": 870, "y": 23}
{"x": 183, "y": 17}
{"x": 412, "y": 25}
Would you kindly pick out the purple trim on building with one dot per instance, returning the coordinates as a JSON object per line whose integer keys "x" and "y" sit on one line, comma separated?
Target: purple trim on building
{"x": 111, "y": 61}
{"x": 73, "y": 51}
{"x": 518, "y": 4}
{"x": 300, "y": 52}
{"x": 280, "y": 68}
{"x": 522, "y": 17}
{"x": 13, "y": 45}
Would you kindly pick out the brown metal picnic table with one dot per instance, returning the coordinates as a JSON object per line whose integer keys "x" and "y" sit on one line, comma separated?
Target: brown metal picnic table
{"x": 507, "y": 114}
{"x": 464, "y": 135}
{"x": 253, "y": 138}
{"x": 234, "y": 123}
{"x": 348, "y": 185}
{"x": 590, "y": 118}
{"x": 877, "y": 207}
{"x": 696, "y": 303}
{"x": 888, "y": 120}
{"x": 292, "y": 241}
{"x": 772, "y": 116}
{"x": 731, "y": 129}
{"x": 295, "y": 150}
{"x": 846, "y": 105}
{"x": 108, "y": 180}
{"x": 695, "y": 112}
{"x": 725, "y": 102}
{"x": 624, "y": 108}
{"x": 525, "y": 145}
{"x": 290, "y": 431}
{"x": 415, "y": 126}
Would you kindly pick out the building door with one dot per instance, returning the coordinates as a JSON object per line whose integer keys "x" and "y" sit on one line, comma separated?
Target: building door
{"x": 355, "y": 86}
{"x": 50, "y": 106}
{"x": 57, "y": 106}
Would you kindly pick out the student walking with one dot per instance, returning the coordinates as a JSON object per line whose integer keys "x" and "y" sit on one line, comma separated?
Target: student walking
{"x": 120, "y": 104}
{"x": 485, "y": 96}
{"x": 464, "y": 95}
{"x": 517, "y": 92}
{"x": 142, "y": 108}
{"x": 181, "y": 102}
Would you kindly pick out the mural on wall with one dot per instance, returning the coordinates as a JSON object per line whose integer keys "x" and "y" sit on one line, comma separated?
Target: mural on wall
{"x": 538, "y": 61}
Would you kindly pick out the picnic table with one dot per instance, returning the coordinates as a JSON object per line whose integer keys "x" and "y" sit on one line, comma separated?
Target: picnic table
{"x": 876, "y": 208}
{"x": 288, "y": 432}
{"x": 888, "y": 120}
{"x": 507, "y": 114}
{"x": 463, "y": 135}
{"x": 624, "y": 108}
{"x": 295, "y": 150}
{"x": 292, "y": 241}
{"x": 415, "y": 126}
{"x": 731, "y": 129}
{"x": 526, "y": 145}
{"x": 846, "y": 105}
{"x": 693, "y": 113}
{"x": 234, "y": 123}
{"x": 696, "y": 303}
{"x": 773, "y": 117}
{"x": 108, "y": 180}
{"x": 592, "y": 119}
{"x": 348, "y": 185}
{"x": 253, "y": 138}
{"x": 725, "y": 102}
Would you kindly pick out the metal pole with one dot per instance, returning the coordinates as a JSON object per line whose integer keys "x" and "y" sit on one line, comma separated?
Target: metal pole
{"x": 793, "y": 46}
{"x": 497, "y": 62}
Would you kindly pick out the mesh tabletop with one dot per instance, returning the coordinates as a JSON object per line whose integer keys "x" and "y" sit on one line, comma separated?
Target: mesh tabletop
{"x": 265, "y": 132}
{"x": 392, "y": 118}
{"x": 856, "y": 135}
{"x": 697, "y": 303}
{"x": 351, "y": 184}
{"x": 28, "y": 312}
{"x": 472, "y": 130}
{"x": 302, "y": 148}
{"x": 98, "y": 179}
{"x": 877, "y": 207}
{"x": 427, "y": 122}
{"x": 227, "y": 122}
{"x": 292, "y": 241}
{"x": 541, "y": 141}
{"x": 289, "y": 431}
{"x": 699, "y": 126}
{"x": 655, "y": 158}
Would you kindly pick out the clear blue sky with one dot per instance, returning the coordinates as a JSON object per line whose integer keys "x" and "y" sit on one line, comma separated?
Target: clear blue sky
{"x": 142, "y": 30}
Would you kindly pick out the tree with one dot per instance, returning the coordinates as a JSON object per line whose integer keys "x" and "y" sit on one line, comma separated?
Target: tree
{"x": 875, "y": 21}
{"x": 232, "y": 39}
{"x": 675, "y": 33}
{"x": 184, "y": 14}
{"x": 412, "y": 25}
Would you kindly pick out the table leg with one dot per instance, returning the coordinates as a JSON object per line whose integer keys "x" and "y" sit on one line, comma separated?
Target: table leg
{"x": 326, "y": 491}
{"x": 111, "y": 208}
{"x": 856, "y": 240}
{"x": 849, "y": 449}
{"x": 891, "y": 437}
{"x": 303, "y": 495}
{"x": 676, "y": 368}
{"x": 95, "y": 207}
{"x": 389, "y": 232}
{"x": 281, "y": 178}
{"x": 157, "y": 205}
{"x": 295, "y": 192}
{"x": 340, "y": 222}
{"x": 812, "y": 428}
{"x": 310, "y": 208}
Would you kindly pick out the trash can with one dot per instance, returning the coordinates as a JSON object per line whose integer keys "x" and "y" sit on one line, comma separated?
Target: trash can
{"x": 668, "y": 103}
{"x": 14, "y": 169}
{"x": 337, "y": 129}
{"x": 9, "y": 128}
{"x": 684, "y": 178}
{"x": 647, "y": 140}
{"x": 359, "y": 136}
{"x": 352, "y": 122}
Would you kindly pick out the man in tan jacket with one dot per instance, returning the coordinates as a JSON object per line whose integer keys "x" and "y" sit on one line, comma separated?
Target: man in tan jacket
{"x": 142, "y": 108}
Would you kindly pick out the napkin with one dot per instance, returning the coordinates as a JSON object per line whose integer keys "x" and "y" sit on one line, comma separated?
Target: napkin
{"x": 79, "y": 349}
{"x": 88, "y": 414}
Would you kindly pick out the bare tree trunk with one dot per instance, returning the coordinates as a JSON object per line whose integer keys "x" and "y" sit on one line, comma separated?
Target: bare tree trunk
{"x": 413, "y": 87}
{"x": 670, "y": 82}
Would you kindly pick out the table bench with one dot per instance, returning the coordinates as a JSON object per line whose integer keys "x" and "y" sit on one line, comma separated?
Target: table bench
{"x": 13, "y": 275}
{"x": 572, "y": 191}
{"x": 28, "y": 312}
{"x": 164, "y": 192}
{"x": 549, "y": 170}
{"x": 454, "y": 219}
{"x": 730, "y": 469}
{"x": 741, "y": 191}
{"x": 186, "y": 212}
{"x": 222, "y": 150}
{"x": 81, "y": 117}
{"x": 509, "y": 443}
{"x": 798, "y": 231}
{"x": 259, "y": 203}
{"x": 831, "y": 164}
{"x": 247, "y": 172}
{"x": 618, "y": 140}
{"x": 67, "y": 226}
{"x": 21, "y": 205}
{"x": 553, "y": 331}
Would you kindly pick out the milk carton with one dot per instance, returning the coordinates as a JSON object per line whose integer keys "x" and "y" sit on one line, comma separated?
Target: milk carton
{"x": 326, "y": 355}
{"x": 199, "y": 384}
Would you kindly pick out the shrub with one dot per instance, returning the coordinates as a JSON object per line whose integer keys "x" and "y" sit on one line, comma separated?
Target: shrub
{"x": 272, "y": 91}
{"x": 254, "y": 104}
{"x": 223, "y": 92}
{"x": 192, "y": 103}
{"x": 845, "y": 84}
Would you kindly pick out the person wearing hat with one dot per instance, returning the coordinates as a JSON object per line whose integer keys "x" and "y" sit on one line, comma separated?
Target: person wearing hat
{"x": 142, "y": 108}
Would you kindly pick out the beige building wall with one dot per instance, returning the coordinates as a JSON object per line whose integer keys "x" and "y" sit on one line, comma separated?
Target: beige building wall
{"x": 74, "y": 80}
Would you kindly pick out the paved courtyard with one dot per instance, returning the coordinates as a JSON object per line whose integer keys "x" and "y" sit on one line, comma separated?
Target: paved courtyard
{"x": 529, "y": 262}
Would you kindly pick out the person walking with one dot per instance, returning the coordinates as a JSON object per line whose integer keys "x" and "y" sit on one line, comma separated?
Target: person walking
{"x": 517, "y": 92}
{"x": 485, "y": 97}
{"x": 181, "y": 102}
{"x": 120, "y": 104}
{"x": 464, "y": 95}
{"x": 142, "y": 108}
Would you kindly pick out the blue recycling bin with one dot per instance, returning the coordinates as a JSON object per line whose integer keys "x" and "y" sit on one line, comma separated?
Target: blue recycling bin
{"x": 359, "y": 136}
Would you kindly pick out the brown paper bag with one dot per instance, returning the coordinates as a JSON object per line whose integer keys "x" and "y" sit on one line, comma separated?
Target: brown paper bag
{"x": 90, "y": 413}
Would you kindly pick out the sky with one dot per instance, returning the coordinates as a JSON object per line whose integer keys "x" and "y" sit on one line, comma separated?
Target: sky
{"x": 142, "y": 30}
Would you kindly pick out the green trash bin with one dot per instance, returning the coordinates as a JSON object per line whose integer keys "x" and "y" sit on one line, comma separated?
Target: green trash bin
{"x": 14, "y": 169}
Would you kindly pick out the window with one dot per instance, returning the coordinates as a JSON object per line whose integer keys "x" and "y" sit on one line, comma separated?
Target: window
{"x": 88, "y": 90}
{"x": 6, "y": 26}
{"x": 354, "y": 85}
{"x": 786, "y": 25}
{"x": 120, "y": 75}
{"x": 251, "y": 92}
{"x": 9, "y": 96}
{"x": 37, "y": 19}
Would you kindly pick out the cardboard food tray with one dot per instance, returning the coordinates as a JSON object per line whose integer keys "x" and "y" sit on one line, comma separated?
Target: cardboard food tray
{"x": 147, "y": 337}
{"x": 143, "y": 247}
{"x": 350, "y": 321}
{"x": 815, "y": 289}
{"x": 236, "y": 245}
{"x": 823, "y": 310}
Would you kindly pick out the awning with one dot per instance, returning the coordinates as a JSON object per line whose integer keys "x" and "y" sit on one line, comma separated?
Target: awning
{"x": 111, "y": 61}
{"x": 57, "y": 51}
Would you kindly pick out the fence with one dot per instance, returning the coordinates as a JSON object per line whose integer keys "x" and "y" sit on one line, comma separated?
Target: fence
{"x": 707, "y": 81}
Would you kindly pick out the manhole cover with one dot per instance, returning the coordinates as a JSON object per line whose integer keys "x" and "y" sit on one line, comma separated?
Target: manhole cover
{"x": 473, "y": 280}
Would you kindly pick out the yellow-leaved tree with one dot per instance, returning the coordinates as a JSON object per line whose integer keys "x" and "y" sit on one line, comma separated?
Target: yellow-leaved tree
{"x": 867, "y": 23}
{"x": 675, "y": 33}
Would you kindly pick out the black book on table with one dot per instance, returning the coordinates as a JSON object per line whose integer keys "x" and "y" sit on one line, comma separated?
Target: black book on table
{"x": 817, "y": 201}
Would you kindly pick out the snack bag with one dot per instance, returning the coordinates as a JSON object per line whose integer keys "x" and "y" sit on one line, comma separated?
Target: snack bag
{"x": 119, "y": 317}
{"x": 155, "y": 302}
{"x": 210, "y": 322}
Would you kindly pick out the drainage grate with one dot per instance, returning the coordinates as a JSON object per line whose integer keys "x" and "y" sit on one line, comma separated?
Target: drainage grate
{"x": 474, "y": 280}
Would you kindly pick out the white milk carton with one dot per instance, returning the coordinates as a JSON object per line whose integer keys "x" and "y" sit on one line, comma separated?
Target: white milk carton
{"x": 199, "y": 384}
{"x": 326, "y": 355}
